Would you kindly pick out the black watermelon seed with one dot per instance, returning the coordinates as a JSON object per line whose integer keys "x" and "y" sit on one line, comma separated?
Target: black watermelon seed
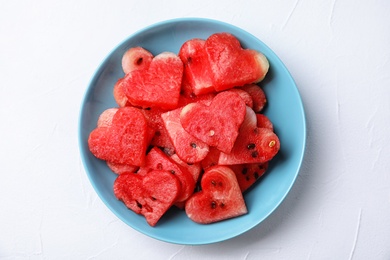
{"x": 139, "y": 61}
{"x": 256, "y": 174}
{"x": 193, "y": 145}
{"x": 251, "y": 146}
{"x": 244, "y": 171}
{"x": 254, "y": 154}
{"x": 213, "y": 204}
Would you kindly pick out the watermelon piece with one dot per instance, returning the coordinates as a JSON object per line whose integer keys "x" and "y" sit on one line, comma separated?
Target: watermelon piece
{"x": 157, "y": 86}
{"x": 244, "y": 95}
{"x": 211, "y": 158}
{"x": 248, "y": 174}
{"x": 187, "y": 147}
{"x": 231, "y": 65}
{"x": 150, "y": 195}
{"x": 105, "y": 118}
{"x": 124, "y": 141}
{"x": 220, "y": 198}
{"x": 158, "y": 160}
{"x": 258, "y": 96}
{"x": 217, "y": 124}
{"x": 264, "y": 122}
{"x": 161, "y": 137}
{"x": 204, "y": 98}
{"x": 196, "y": 66}
{"x": 195, "y": 169}
{"x": 136, "y": 58}
{"x": 120, "y": 95}
{"x": 122, "y": 168}
{"x": 253, "y": 144}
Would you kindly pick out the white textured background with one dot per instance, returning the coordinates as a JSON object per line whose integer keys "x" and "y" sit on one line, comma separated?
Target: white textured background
{"x": 338, "y": 52}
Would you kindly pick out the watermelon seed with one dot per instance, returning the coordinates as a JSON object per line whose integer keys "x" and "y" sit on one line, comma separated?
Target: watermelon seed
{"x": 139, "y": 205}
{"x": 222, "y": 205}
{"x": 172, "y": 171}
{"x": 244, "y": 171}
{"x": 256, "y": 174}
{"x": 153, "y": 198}
{"x": 254, "y": 154}
{"x": 272, "y": 143}
{"x": 213, "y": 204}
{"x": 251, "y": 146}
{"x": 213, "y": 183}
{"x": 139, "y": 61}
{"x": 211, "y": 133}
{"x": 193, "y": 145}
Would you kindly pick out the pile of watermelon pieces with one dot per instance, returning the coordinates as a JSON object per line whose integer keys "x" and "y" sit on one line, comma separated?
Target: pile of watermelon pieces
{"x": 188, "y": 130}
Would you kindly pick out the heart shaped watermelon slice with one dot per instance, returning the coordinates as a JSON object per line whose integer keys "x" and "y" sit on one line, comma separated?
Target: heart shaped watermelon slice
{"x": 231, "y": 65}
{"x": 150, "y": 195}
{"x": 124, "y": 141}
{"x": 217, "y": 124}
{"x": 158, "y": 85}
{"x": 253, "y": 144}
{"x": 219, "y": 199}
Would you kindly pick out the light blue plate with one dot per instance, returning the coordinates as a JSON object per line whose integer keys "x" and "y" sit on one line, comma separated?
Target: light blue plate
{"x": 284, "y": 108}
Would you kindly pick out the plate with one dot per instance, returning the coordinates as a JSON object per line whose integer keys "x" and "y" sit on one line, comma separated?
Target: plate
{"x": 284, "y": 108}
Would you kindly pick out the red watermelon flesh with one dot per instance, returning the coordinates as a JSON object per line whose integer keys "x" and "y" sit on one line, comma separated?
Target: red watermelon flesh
{"x": 248, "y": 174}
{"x": 264, "y": 122}
{"x": 253, "y": 144}
{"x": 161, "y": 137}
{"x": 157, "y": 86}
{"x": 204, "y": 98}
{"x": 123, "y": 142}
{"x": 122, "y": 168}
{"x": 244, "y": 95}
{"x": 158, "y": 160}
{"x": 220, "y": 198}
{"x": 136, "y": 58}
{"x": 258, "y": 96}
{"x": 217, "y": 124}
{"x": 196, "y": 66}
{"x": 211, "y": 158}
{"x": 231, "y": 65}
{"x": 195, "y": 168}
{"x": 187, "y": 147}
{"x": 120, "y": 95}
{"x": 105, "y": 118}
{"x": 150, "y": 195}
